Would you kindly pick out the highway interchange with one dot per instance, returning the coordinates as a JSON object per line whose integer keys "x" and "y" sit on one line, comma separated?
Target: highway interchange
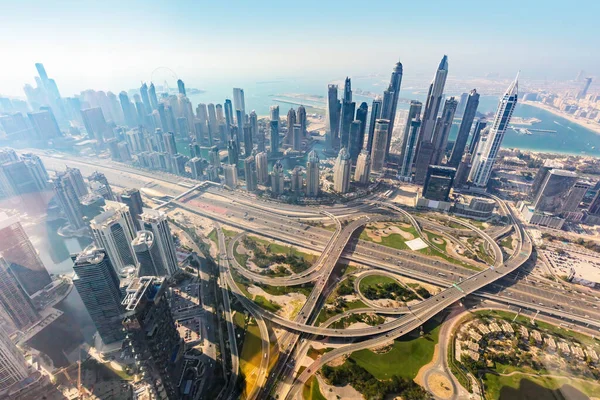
{"x": 504, "y": 281}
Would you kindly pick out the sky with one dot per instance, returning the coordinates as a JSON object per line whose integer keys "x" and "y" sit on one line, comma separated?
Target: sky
{"x": 113, "y": 45}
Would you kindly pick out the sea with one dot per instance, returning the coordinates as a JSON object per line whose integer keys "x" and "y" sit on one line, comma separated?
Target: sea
{"x": 570, "y": 138}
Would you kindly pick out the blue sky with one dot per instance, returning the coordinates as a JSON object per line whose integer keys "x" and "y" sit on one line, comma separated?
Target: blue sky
{"x": 112, "y": 45}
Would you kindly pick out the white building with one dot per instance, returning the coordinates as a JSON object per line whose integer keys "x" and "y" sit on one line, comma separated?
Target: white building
{"x": 156, "y": 222}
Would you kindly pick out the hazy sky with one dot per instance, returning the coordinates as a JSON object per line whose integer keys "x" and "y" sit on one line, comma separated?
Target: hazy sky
{"x": 113, "y": 45}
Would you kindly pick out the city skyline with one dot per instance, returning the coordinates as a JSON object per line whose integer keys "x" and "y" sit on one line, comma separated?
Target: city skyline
{"x": 125, "y": 45}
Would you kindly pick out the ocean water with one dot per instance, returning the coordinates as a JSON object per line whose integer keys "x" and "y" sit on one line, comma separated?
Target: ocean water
{"x": 569, "y": 138}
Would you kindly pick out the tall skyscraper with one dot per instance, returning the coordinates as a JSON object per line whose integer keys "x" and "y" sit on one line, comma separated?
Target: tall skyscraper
{"x": 361, "y": 115}
{"x": 232, "y": 153}
{"x": 262, "y": 168}
{"x": 114, "y": 231}
{"x": 13, "y": 367}
{"x": 442, "y": 130}
{"x": 274, "y": 113}
{"x": 98, "y": 286}
{"x": 95, "y": 124}
{"x": 156, "y": 222}
{"x": 341, "y": 171}
{"x": 363, "y": 168}
{"x": 152, "y": 334}
{"x": 348, "y": 111}
{"x": 128, "y": 110}
{"x": 395, "y": 83}
{"x": 354, "y": 141}
{"x": 296, "y": 179}
{"x": 147, "y": 255}
{"x": 409, "y": 148}
{"x": 379, "y": 143}
{"x": 554, "y": 191}
{"x": 277, "y": 179}
{"x": 594, "y": 207}
{"x": 248, "y": 140}
{"x": 239, "y": 103}
{"x": 170, "y": 143}
{"x": 332, "y": 118}
{"x": 14, "y": 300}
{"x": 231, "y": 176}
{"x": 469, "y": 109}
{"x": 44, "y": 124}
{"x": 313, "y": 182}
{"x": 257, "y": 135}
{"x": 462, "y": 172}
{"x": 228, "y": 108}
{"x": 575, "y": 196}
{"x": 274, "y": 128}
{"x": 438, "y": 182}
{"x": 586, "y": 86}
{"x": 250, "y": 173}
{"x": 479, "y": 126}
{"x": 152, "y": 96}
{"x": 296, "y": 137}
{"x": 375, "y": 115}
{"x": 133, "y": 200}
{"x": 68, "y": 200}
{"x": 181, "y": 87}
{"x": 489, "y": 146}
{"x": 145, "y": 98}
{"x": 291, "y": 121}
{"x": 413, "y": 112}
{"x": 301, "y": 119}
{"x": 434, "y": 101}
{"x": 101, "y": 179}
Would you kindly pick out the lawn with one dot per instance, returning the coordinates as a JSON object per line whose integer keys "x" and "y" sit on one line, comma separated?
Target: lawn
{"x": 311, "y": 390}
{"x": 325, "y": 314}
{"x": 305, "y": 289}
{"x": 406, "y": 356}
{"x": 495, "y": 383}
{"x": 394, "y": 240}
{"x": 266, "y": 304}
{"x": 242, "y": 259}
{"x": 251, "y": 356}
{"x": 374, "y": 280}
{"x": 507, "y": 243}
{"x": 213, "y": 236}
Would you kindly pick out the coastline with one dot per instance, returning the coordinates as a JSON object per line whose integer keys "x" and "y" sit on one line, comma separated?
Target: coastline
{"x": 584, "y": 123}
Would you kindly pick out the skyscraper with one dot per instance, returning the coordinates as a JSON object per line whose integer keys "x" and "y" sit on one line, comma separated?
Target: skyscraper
{"x": 312, "y": 175}
{"x": 274, "y": 128}
{"x": 291, "y": 121}
{"x": 262, "y": 168}
{"x": 44, "y": 124}
{"x": 277, "y": 179}
{"x": 274, "y": 113}
{"x": 14, "y": 300}
{"x": 348, "y": 110}
{"x": 128, "y": 110}
{"x": 442, "y": 130}
{"x": 332, "y": 118}
{"x": 228, "y": 109}
{"x": 257, "y": 135}
{"x": 98, "y": 286}
{"x": 575, "y": 196}
{"x": 413, "y": 112}
{"x": 554, "y": 191}
{"x": 361, "y": 115}
{"x": 479, "y": 126}
{"x": 133, "y": 200}
{"x": 152, "y": 96}
{"x": 152, "y": 334}
{"x": 490, "y": 145}
{"x": 146, "y": 99}
{"x": 147, "y": 255}
{"x": 586, "y": 85}
{"x": 409, "y": 148}
{"x": 297, "y": 137}
{"x": 438, "y": 182}
{"x": 379, "y": 143}
{"x": 469, "y": 109}
{"x": 101, "y": 179}
{"x": 296, "y": 179}
{"x": 114, "y": 231}
{"x": 239, "y": 103}
{"x": 395, "y": 83}
{"x": 375, "y": 115}
{"x": 434, "y": 100}
{"x": 231, "y": 177}
{"x": 13, "y": 367}
{"x": 68, "y": 200}
{"x": 181, "y": 87}
{"x": 156, "y": 222}
{"x": 250, "y": 173}
{"x": 170, "y": 143}
{"x": 363, "y": 168}
{"x": 301, "y": 119}
{"x": 95, "y": 124}
{"x": 341, "y": 171}
{"x": 354, "y": 141}
{"x": 232, "y": 153}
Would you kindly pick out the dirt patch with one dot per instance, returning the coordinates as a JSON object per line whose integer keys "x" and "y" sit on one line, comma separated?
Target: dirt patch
{"x": 337, "y": 361}
{"x": 430, "y": 364}
{"x": 290, "y": 303}
{"x": 380, "y": 230}
{"x": 430, "y": 288}
{"x": 440, "y": 385}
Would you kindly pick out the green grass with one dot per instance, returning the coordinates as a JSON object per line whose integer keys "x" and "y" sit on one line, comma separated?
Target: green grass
{"x": 431, "y": 236}
{"x": 454, "y": 225}
{"x": 315, "y": 353}
{"x": 282, "y": 249}
{"x": 239, "y": 319}
{"x": 229, "y": 233}
{"x": 507, "y": 243}
{"x": 266, "y": 304}
{"x": 495, "y": 383}
{"x": 406, "y": 356}
{"x": 325, "y": 314}
{"x": 213, "y": 236}
{"x": 251, "y": 355}
{"x": 393, "y": 240}
{"x": 242, "y": 259}
{"x": 311, "y": 390}
{"x": 374, "y": 280}
{"x": 283, "y": 290}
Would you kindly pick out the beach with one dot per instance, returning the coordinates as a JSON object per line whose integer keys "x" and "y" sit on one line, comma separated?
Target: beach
{"x": 583, "y": 122}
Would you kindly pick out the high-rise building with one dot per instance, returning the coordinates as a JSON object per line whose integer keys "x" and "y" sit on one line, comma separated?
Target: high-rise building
{"x": 414, "y": 111}
{"x": 479, "y": 126}
{"x": 301, "y": 119}
{"x": 296, "y": 179}
{"x": 239, "y": 103}
{"x": 375, "y": 115}
{"x": 297, "y": 137}
{"x": 341, "y": 171}
{"x": 148, "y": 106}
{"x": 363, "y": 167}
{"x": 274, "y": 113}
{"x": 13, "y": 367}
{"x": 231, "y": 177}
{"x": 434, "y": 101}
{"x": 114, "y": 231}
{"x": 133, "y": 200}
{"x": 395, "y": 83}
{"x": 250, "y": 174}
{"x": 262, "y": 168}
{"x": 469, "y": 109}
{"x": 586, "y": 86}
{"x": 232, "y": 153}
{"x": 277, "y": 179}
{"x": 257, "y": 135}
{"x": 23, "y": 183}
{"x": 197, "y": 166}
{"x": 438, "y": 182}
{"x": 554, "y": 191}
{"x": 332, "y": 118}
{"x": 152, "y": 334}
{"x": 170, "y": 143}
{"x": 594, "y": 207}
{"x": 362, "y": 113}
{"x": 575, "y": 196}
{"x": 156, "y": 222}
{"x": 462, "y": 104}
{"x": 228, "y": 109}
{"x": 379, "y": 143}
{"x": 101, "y": 179}
{"x": 488, "y": 147}
{"x": 409, "y": 148}
{"x": 348, "y": 111}
{"x": 442, "y": 130}
{"x": 98, "y": 286}
{"x": 354, "y": 142}
{"x": 68, "y": 199}
{"x": 44, "y": 124}
{"x": 181, "y": 87}
{"x": 313, "y": 180}
{"x": 248, "y": 140}
{"x": 14, "y": 300}
{"x": 291, "y": 121}
{"x": 147, "y": 255}
{"x": 128, "y": 110}
{"x": 274, "y": 128}
{"x": 214, "y": 158}
{"x": 95, "y": 124}
{"x": 462, "y": 172}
